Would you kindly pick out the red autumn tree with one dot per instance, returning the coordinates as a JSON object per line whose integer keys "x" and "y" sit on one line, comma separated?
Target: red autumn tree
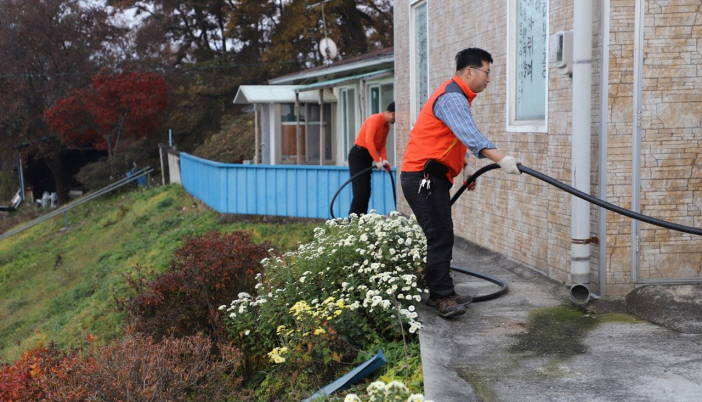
{"x": 115, "y": 108}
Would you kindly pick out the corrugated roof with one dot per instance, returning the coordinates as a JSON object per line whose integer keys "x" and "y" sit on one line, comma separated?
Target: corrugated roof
{"x": 248, "y": 94}
{"x": 369, "y": 61}
{"x": 339, "y": 81}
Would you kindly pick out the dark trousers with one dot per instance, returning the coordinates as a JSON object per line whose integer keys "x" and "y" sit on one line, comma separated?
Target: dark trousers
{"x": 360, "y": 159}
{"x": 432, "y": 207}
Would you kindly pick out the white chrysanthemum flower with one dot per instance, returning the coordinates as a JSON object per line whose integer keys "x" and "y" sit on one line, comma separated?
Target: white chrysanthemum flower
{"x": 396, "y": 386}
{"x": 376, "y": 387}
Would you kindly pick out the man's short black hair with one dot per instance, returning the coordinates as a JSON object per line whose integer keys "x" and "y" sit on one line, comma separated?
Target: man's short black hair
{"x": 391, "y": 107}
{"x": 472, "y": 57}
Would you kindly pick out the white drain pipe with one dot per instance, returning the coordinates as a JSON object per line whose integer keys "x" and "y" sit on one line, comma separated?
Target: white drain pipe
{"x": 581, "y": 137}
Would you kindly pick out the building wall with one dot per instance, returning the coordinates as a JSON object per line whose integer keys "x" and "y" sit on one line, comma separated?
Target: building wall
{"x": 517, "y": 216}
{"x": 525, "y": 219}
{"x": 619, "y": 146}
{"x": 671, "y": 139}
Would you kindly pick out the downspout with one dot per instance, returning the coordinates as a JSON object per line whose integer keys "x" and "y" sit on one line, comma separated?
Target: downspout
{"x": 636, "y": 139}
{"x": 582, "y": 109}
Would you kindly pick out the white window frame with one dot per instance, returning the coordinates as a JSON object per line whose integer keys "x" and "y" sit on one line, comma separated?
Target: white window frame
{"x": 412, "y": 44}
{"x": 513, "y": 125}
{"x": 348, "y": 136}
{"x": 382, "y": 105}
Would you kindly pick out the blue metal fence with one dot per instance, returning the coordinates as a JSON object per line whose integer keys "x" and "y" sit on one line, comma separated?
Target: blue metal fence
{"x": 303, "y": 191}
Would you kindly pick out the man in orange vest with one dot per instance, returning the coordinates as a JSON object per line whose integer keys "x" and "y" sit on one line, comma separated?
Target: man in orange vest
{"x": 436, "y": 153}
{"x": 369, "y": 148}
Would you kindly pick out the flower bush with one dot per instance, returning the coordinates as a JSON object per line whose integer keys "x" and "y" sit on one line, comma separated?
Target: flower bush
{"x": 378, "y": 391}
{"x": 355, "y": 284}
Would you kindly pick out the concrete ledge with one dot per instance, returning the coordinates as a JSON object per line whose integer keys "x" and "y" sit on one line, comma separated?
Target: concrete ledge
{"x": 677, "y": 307}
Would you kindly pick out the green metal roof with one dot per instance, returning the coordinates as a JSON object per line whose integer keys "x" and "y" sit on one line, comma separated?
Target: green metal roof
{"x": 338, "y": 81}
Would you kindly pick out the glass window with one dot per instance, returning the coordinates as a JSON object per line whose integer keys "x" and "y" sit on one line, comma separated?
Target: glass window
{"x": 419, "y": 67}
{"x": 528, "y": 68}
{"x": 310, "y": 148}
{"x": 288, "y": 132}
{"x": 375, "y": 100}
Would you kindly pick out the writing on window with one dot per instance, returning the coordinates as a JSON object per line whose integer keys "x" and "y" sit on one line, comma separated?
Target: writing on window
{"x": 531, "y": 60}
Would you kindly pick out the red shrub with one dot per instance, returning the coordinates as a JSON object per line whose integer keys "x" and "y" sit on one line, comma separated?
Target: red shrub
{"x": 184, "y": 369}
{"x": 136, "y": 368}
{"x": 46, "y": 374}
{"x": 205, "y": 273}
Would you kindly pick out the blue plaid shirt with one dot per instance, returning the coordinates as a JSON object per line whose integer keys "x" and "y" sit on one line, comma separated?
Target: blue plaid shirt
{"x": 453, "y": 109}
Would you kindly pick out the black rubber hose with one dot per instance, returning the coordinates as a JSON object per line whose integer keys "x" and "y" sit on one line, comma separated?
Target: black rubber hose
{"x": 489, "y": 296}
{"x": 584, "y": 196}
{"x": 331, "y": 204}
{"x": 472, "y": 179}
{"x": 392, "y": 185}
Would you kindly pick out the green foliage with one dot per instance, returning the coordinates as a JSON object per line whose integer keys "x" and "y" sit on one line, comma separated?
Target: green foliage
{"x": 59, "y": 284}
{"x": 234, "y": 143}
{"x": 8, "y": 185}
{"x": 354, "y": 284}
{"x": 96, "y": 175}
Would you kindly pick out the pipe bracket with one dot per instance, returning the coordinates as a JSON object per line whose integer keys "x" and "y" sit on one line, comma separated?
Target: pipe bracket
{"x": 593, "y": 240}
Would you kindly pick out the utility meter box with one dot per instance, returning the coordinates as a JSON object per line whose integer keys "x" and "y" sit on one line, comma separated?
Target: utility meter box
{"x": 561, "y": 52}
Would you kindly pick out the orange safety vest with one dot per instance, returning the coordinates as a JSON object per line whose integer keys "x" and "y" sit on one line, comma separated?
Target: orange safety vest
{"x": 373, "y": 136}
{"x": 432, "y": 139}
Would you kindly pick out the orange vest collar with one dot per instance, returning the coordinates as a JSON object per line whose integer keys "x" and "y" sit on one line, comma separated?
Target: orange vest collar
{"x": 470, "y": 94}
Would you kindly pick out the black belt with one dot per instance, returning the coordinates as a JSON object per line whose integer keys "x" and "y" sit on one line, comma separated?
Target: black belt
{"x": 435, "y": 168}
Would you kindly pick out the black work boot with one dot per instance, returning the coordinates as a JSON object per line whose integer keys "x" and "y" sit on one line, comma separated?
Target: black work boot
{"x": 448, "y": 307}
{"x": 464, "y": 300}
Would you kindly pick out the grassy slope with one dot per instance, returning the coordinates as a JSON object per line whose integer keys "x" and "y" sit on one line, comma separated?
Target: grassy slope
{"x": 59, "y": 285}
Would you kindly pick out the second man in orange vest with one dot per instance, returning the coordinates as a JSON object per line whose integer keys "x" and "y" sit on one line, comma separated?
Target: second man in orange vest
{"x": 369, "y": 148}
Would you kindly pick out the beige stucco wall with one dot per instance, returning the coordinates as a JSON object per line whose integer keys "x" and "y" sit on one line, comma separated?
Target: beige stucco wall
{"x": 671, "y": 143}
{"x": 619, "y": 144}
{"x": 528, "y": 220}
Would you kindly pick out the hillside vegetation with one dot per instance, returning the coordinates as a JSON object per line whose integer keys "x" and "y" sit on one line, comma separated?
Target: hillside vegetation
{"x": 60, "y": 284}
